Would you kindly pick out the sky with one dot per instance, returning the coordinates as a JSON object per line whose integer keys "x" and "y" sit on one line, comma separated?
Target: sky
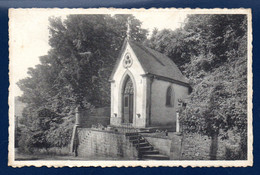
{"x": 28, "y": 31}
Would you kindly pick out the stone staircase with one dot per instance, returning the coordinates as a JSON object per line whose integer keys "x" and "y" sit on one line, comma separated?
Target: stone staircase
{"x": 145, "y": 150}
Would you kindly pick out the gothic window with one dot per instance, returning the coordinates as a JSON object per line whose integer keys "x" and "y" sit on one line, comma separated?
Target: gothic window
{"x": 129, "y": 86}
{"x": 169, "y": 97}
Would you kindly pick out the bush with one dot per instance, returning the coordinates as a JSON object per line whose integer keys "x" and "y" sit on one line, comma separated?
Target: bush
{"x": 54, "y": 151}
{"x": 25, "y": 143}
{"x": 234, "y": 153}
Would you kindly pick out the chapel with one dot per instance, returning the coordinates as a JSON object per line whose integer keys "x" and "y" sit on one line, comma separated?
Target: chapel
{"x": 145, "y": 88}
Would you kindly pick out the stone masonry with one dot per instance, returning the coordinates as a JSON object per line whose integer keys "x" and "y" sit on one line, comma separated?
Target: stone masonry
{"x": 105, "y": 144}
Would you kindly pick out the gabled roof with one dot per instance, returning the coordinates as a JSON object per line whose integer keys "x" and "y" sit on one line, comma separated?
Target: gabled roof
{"x": 153, "y": 62}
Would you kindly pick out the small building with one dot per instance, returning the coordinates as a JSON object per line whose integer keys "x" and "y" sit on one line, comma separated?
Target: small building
{"x": 145, "y": 88}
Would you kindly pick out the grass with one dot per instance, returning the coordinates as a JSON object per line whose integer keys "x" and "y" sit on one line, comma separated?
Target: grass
{"x": 46, "y": 154}
{"x": 54, "y": 154}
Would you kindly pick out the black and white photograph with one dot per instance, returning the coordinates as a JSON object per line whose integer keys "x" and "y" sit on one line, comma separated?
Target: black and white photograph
{"x": 130, "y": 87}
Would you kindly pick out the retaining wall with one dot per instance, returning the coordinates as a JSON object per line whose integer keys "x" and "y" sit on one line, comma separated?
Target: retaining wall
{"x": 167, "y": 145}
{"x": 104, "y": 144}
{"x": 96, "y": 144}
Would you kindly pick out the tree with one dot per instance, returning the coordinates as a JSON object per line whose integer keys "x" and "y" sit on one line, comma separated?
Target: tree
{"x": 172, "y": 44}
{"x": 219, "y": 74}
{"x": 211, "y": 51}
{"x": 73, "y": 74}
{"x": 92, "y": 43}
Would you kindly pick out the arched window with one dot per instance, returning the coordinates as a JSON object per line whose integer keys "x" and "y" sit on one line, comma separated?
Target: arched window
{"x": 169, "y": 97}
{"x": 129, "y": 89}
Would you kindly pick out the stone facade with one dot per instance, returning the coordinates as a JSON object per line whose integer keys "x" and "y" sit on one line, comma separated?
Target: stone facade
{"x": 149, "y": 97}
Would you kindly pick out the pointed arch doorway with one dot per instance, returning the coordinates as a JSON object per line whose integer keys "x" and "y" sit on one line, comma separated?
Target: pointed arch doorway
{"x": 127, "y": 100}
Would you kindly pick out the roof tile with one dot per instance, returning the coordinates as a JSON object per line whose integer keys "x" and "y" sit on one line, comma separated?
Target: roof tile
{"x": 156, "y": 63}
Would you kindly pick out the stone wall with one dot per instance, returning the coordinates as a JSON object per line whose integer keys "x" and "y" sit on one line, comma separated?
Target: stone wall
{"x": 162, "y": 144}
{"x": 96, "y": 144}
{"x": 168, "y": 145}
{"x": 102, "y": 144}
{"x": 194, "y": 146}
{"x": 197, "y": 147}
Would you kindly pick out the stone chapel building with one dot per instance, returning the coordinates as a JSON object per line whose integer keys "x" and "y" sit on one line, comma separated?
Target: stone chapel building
{"x": 145, "y": 88}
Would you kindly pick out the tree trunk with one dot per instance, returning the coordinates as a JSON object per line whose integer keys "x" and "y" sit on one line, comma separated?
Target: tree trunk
{"x": 214, "y": 146}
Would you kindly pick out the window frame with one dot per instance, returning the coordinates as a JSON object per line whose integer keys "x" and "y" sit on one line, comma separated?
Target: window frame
{"x": 169, "y": 101}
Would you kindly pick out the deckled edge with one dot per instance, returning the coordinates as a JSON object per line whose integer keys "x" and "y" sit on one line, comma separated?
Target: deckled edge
{"x": 181, "y": 163}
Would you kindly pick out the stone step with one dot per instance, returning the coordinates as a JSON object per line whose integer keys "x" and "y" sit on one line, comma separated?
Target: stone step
{"x": 155, "y": 157}
{"x": 135, "y": 137}
{"x": 132, "y": 134}
{"x": 146, "y": 152}
{"x": 141, "y": 140}
{"x": 145, "y": 148}
{"x": 145, "y": 131}
{"x": 141, "y": 144}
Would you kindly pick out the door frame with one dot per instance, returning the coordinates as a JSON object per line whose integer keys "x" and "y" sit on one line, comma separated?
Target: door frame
{"x": 121, "y": 95}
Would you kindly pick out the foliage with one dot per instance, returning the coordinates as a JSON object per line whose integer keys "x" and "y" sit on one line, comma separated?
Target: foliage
{"x": 73, "y": 74}
{"x": 218, "y": 72}
{"x": 172, "y": 44}
{"x": 212, "y": 52}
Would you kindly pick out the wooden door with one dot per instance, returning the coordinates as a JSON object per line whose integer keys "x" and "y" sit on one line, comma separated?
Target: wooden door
{"x": 126, "y": 108}
{"x": 128, "y": 102}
